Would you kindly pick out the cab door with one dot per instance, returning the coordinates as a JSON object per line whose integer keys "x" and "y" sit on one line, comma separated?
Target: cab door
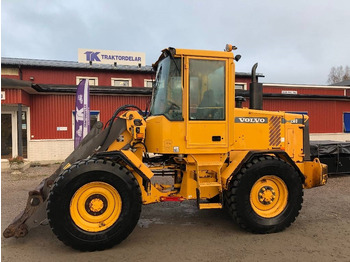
{"x": 206, "y": 104}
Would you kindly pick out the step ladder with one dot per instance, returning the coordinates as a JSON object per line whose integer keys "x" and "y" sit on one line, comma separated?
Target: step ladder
{"x": 201, "y": 168}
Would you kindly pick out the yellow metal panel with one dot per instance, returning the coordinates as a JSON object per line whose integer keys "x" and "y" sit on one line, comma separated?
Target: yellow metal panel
{"x": 117, "y": 145}
{"x": 204, "y": 53}
{"x": 200, "y": 134}
{"x": 289, "y": 141}
{"x": 231, "y": 103}
{"x": 168, "y": 137}
{"x": 207, "y": 159}
{"x": 236, "y": 158}
{"x": 188, "y": 184}
{"x": 294, "y": 136}
{"x": 266, "y": 130}
{"x": 315, "y": 173}
{"x": 252, "y": 129}
{"x": 164, "y": 136}
{"x": 210, "y": 205}
{"x": 138, "y": 163}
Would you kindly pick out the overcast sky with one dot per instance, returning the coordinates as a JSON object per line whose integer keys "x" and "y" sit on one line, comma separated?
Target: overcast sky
{"x": 294, "y": 42}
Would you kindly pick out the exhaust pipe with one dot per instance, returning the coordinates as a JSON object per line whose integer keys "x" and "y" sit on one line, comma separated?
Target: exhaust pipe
{"x": 255, "y": 91}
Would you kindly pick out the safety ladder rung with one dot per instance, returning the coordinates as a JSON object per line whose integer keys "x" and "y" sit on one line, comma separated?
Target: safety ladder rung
{"x": 210, "y": 205}
{"x": 215, "y": 163}
{"x": 210, "y": 184}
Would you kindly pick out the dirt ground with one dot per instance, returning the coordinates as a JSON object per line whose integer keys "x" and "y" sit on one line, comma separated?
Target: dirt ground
{"x": 180, "y": 232}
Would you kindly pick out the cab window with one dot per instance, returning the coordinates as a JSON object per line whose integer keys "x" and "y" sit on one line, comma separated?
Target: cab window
{"x": 167, "y": 94}
{"x": 207, "y": 90}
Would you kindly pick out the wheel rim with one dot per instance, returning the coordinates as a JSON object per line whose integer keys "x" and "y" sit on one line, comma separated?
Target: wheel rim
{"x": 269, "y": 196}
{"x": 95, "y": 206}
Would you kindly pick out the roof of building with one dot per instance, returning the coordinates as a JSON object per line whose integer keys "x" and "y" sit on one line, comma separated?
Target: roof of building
{"x": 343, "y": 83}
{"x": 245, "y": 93}
{"x": 32, "y": 88}
{"x": 308, "y": 86}
{"x": 71, "y": 64}
{"x": 43, "y": 88}
{"x": 94, "y": 66}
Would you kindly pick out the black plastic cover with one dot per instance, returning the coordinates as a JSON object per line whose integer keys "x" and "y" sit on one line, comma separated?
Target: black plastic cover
{"x": 328, "y": 147}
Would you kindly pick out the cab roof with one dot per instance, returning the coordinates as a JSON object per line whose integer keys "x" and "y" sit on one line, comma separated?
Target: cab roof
{"x": 192, "y": 52}
{"x": 206, "y": 53}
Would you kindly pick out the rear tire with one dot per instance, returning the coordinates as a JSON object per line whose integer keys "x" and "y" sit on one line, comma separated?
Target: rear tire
{"x": 94, "y": 205}
{"x": 265, "y": 196}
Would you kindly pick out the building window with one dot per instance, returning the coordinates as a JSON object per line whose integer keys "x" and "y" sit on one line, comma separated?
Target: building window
{"x": 148, "y": 83}
{"x": 241, "y": 86}
{"x": 121, "y": 82}
{"x": 94, "y": 117}
{"x": 93, "y": 81}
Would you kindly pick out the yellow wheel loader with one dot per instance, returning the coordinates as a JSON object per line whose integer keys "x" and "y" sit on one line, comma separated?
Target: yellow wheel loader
{"x": 251, "y": 162}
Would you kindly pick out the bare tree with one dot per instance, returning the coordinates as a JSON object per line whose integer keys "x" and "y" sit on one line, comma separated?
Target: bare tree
{"x": 338, "y": 74}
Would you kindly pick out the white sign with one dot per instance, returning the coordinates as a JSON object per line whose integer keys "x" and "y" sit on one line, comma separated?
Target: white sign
{"x": 111, "y": 57}
{"x": 2, "y": 95}
{"x": 289, "y": 92}
{"x": 62, "y": 128}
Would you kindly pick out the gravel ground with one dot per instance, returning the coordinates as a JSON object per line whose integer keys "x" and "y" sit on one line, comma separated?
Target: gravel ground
{"x": 180, "y": 232}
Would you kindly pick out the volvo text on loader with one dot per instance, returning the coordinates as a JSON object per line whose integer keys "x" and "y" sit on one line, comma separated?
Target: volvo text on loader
{"x": 254, "y": 163}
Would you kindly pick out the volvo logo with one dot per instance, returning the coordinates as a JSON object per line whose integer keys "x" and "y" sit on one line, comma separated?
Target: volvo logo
{"x": 251, "y": 120}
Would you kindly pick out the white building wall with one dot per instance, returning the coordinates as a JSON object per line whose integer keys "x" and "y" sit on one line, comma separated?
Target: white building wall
{"x": 342, "y": 137}
{"x": 55, "y": 150}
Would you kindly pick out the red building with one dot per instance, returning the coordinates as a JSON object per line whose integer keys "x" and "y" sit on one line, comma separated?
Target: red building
{"x": 328, "y": 107}
{"x": 38, "y": 101}
{"x": 38, "y": 98}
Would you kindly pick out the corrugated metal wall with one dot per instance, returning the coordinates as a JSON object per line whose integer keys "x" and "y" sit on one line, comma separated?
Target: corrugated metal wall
{"x": 15, "y": 96}
{"x": 51, "y": 111}
{"x": 68, "y": 76}
{"x": 108, "y": 104}
{"x": 325, "y": 116}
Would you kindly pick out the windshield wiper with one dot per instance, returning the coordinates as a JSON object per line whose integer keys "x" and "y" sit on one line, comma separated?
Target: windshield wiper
{"x": 171, "y": 52}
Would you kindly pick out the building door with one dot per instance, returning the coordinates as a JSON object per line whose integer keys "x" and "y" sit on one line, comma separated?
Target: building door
{"x": 24, "y": 133}
{"x": 347, "y": 122}
{"x": 9, "y": 132}
{"x": 6, "y": 136}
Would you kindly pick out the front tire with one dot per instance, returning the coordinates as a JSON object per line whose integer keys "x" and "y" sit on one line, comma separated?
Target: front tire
{"x": 94, "y": 205}
{"x": 265, "y": 196}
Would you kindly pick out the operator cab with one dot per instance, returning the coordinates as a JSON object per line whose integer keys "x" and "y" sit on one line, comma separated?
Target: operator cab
{"x": 191, "y": 95}
{"x": 206, "y": 89}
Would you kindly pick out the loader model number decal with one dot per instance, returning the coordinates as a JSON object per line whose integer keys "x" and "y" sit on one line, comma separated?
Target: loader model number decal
{"x": 293, "y": 121}
{"x": 251, "y": 120}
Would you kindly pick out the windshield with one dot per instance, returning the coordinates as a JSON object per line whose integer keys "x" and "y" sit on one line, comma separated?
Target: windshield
{"x": 167, "y": 95}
